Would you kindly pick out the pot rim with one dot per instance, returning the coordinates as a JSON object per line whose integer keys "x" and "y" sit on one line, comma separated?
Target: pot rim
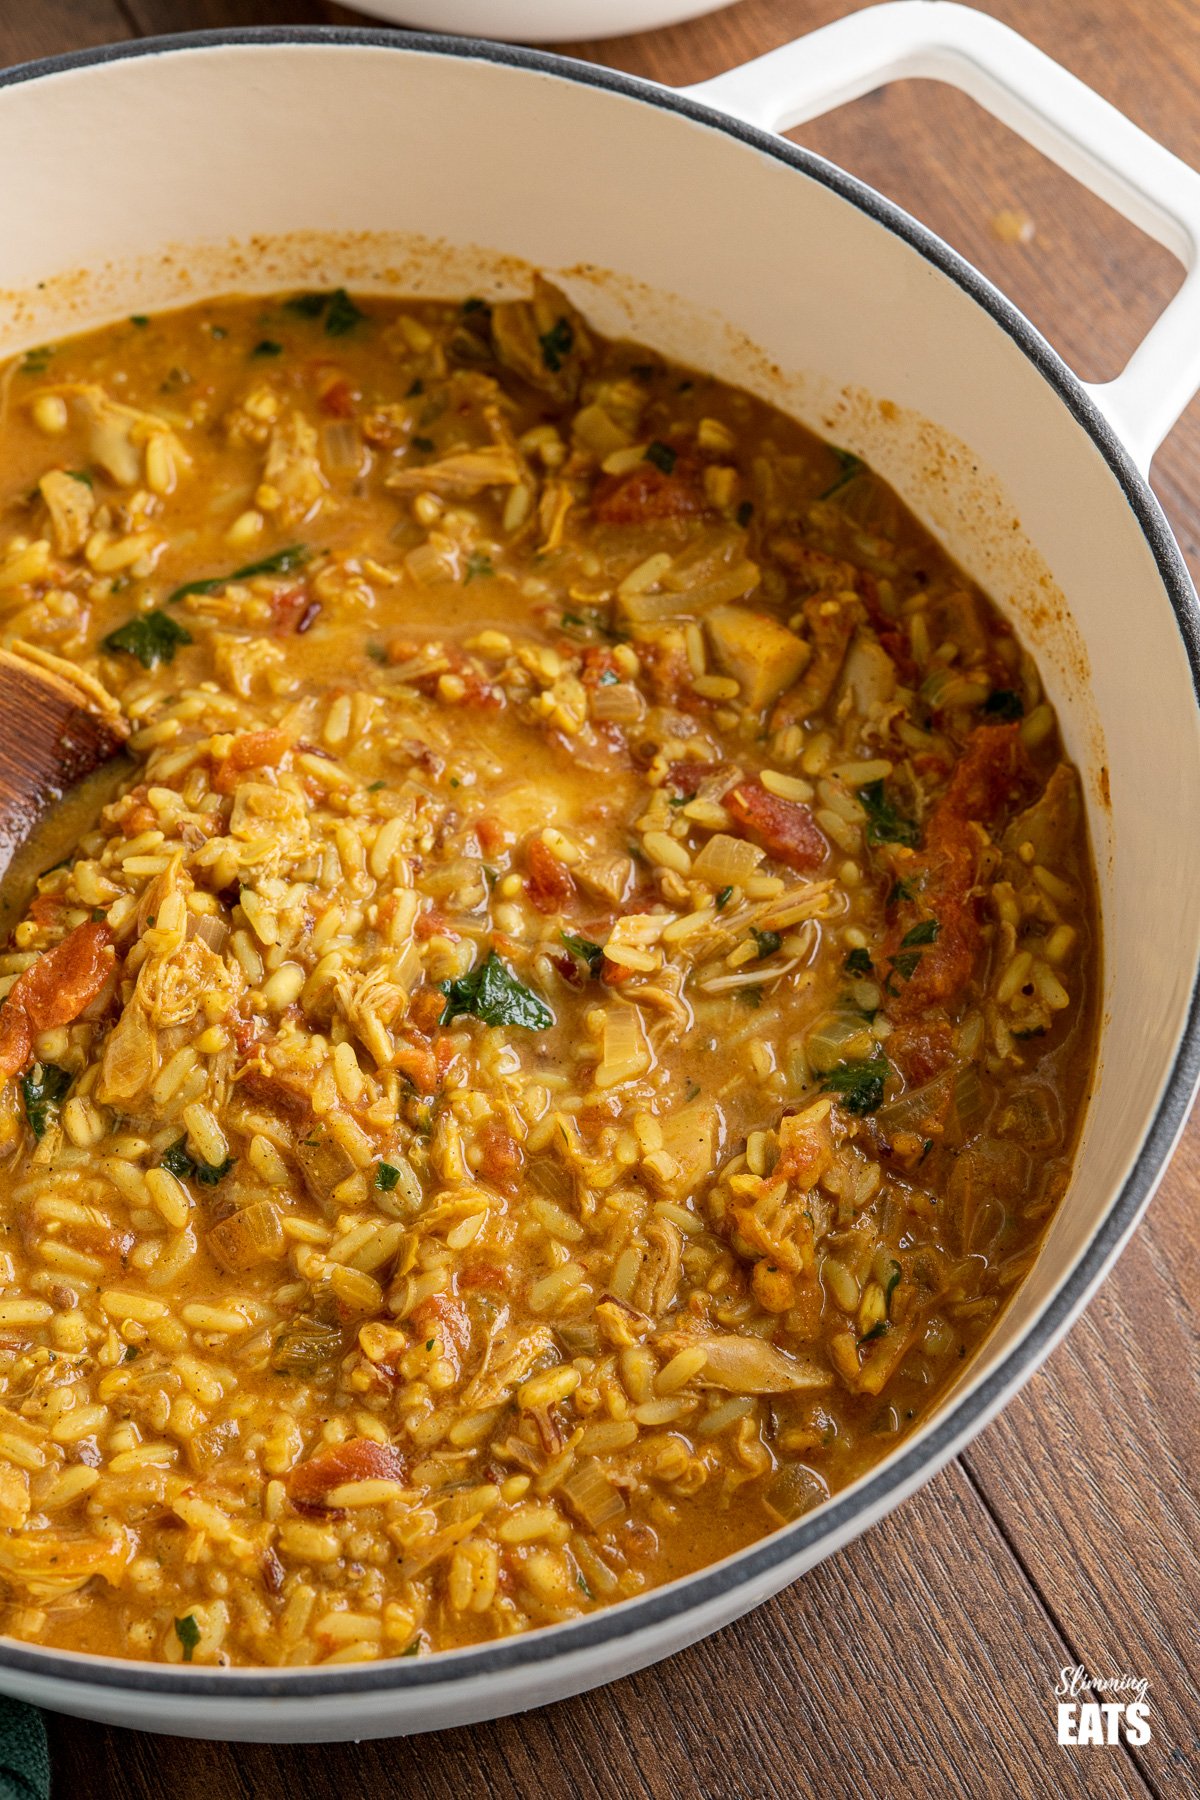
{"x": 844, "y": 1516}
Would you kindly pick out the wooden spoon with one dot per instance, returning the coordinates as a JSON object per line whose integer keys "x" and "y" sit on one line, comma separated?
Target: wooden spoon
{"x": 57, "y": 724}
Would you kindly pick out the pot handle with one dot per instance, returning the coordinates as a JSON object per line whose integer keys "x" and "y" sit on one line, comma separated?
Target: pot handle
{"x": 1049, "y": 107}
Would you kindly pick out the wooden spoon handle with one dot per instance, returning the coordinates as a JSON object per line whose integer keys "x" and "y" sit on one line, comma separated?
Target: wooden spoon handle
{"x": 54, "y": 730}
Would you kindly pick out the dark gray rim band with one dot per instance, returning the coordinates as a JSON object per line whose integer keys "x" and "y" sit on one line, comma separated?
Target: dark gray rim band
{"x": 961, "y": 1419}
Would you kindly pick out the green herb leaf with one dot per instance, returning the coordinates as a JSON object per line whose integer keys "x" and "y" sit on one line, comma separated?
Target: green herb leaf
{"x": 851, "y": 466}
{"x": 591, "y": 954}
{"x": 884, "y": 824}
{"x": 139, "y": 319}
{"x": 309, "y": 306}
{"x": 280, "y": 562}
{"x": 894, "y": 1274}
{"x": 723, "y": 897}
{"x": 131, "y": 1353}
{"x": 188, "y": 1633}
{"x": 1004, "y": 704}
{"x": 924, "y": 933}
{"x": 859, "y": 1085}
{"x": 81, "y": 475}
{"x": 901, "y": 890}
{"x": 876, "y": 1331}
{"x": 491, "y": 992}
{"x": 377, "y": 653}
{"x": 36, "y": 362}
{"x": 662, "y": 456}
{"x": 152, "y": 637}
{"x": 414, "y": 1649}
{"x": 859, "y": 963}
{"x": 904, "y": 964}
{"x": 478, "y": 564}
{"x": 473, "y": 304}
{"x": 43, "y": 1090}
{"x": 768, "y": 942}
{"x": 179, "y": 1163}
{"x": 751, "y": 997}
{"x": 386, "y": 1177}
{"x": 557, "y": 343}
{"x": 342, "y": 315}
{"x": 267, "y": 347}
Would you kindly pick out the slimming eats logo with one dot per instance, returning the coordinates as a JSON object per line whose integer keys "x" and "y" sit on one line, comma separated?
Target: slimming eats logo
{"x": 1121, "y": 1712}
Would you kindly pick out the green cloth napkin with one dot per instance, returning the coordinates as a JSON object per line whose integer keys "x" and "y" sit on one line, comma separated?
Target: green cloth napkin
{"x": 24, "y": 1758}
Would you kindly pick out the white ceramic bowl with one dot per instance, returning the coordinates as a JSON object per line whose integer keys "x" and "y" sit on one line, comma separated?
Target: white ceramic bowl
{"x": 539, "y": 21}
{"x": 445, "y": 168}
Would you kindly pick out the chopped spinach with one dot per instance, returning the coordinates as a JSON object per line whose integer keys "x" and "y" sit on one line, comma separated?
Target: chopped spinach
{"x": 876, "y": 1331}
{"x": 851, "y": 468}
{"x": 724, "y": 895}
{"x": 491, "y": 992}
{"x": 662, "y": 456}
{"x": 904, "y": 964}
{"x": 767, "y": 942}
{"x": 556, "y": 344}
{"x": 342, "y": 315}
{"x": 892, "y": 1282}
{"x": 139, "y": 319}
{"x": 43, "y": 1090}
{"x": 478, "y": 564}
{"x": 859, "y": 1085}
{"x": 188, "y": 1633}
{"x": 588, "y": 952}
{"x": 309, "y": 306}
{"x": 80, "y": 475}
{"x": 901, "y": 890}
{"x": 884, "y": 824}
{"x": 280, "y": 562}
{"x": 859, "y": 963}
{"x": 179, "y": 1163}
{"x": 386, "y": 1177}
{"x": 152, "y": 637}
{"x": 1004, "y": 704}
{"x": 924, "y": 933}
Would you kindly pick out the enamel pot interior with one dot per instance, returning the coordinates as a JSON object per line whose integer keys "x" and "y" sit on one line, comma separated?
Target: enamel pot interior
{"x": 156, "y": 175}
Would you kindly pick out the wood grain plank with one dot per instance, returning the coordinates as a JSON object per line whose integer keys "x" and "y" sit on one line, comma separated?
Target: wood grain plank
{"x": 53, "y": 26}
{"x": 1109, "y": 1536}
{"x": 912, "y": 1664}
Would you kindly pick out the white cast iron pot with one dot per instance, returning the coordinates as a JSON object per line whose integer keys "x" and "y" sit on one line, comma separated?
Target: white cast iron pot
{"x": 189, "y": 166}
{"x": 540, "y": 21}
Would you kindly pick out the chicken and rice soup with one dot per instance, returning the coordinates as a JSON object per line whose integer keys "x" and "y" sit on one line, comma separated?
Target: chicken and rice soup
{"x": 564, "y": 1026}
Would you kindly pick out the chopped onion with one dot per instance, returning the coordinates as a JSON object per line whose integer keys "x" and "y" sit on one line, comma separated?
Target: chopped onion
{"x": 250, "y": 1236}
{"x": 726, "y": 861}
{"x": 619, "y": 703}
{"x": 626, "y": 1054}
{"x": 342, "y": 447}
{"x": 839, "y": 1037}
{"x": 591, "y": 1495}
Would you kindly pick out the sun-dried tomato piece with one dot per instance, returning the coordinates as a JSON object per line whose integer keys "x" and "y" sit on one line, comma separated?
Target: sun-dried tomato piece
{"x": 252, "y": 750}
{"x": 358, "y": 1459}
{"x": 649, "y": 492}
{"x": 785, "y": 828}
{"x": 54, "y": 990}
{"x": 549, "y": 884}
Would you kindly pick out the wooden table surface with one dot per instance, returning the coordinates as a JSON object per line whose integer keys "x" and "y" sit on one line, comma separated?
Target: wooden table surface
{"x": 921, "y": 1660}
